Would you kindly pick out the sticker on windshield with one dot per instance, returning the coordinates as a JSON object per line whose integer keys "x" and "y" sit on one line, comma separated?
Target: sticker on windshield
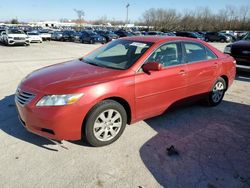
{"x": 138, "y": 44}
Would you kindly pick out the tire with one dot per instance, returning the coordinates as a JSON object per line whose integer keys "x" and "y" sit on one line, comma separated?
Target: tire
{"x": 216, "y": 95}
{"x": 91, "y": 41}
{"x": 105, "y": 116}
{"x": 222, "y": 40}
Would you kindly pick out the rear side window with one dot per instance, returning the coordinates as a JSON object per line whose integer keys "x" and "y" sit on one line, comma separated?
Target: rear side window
{"x": 210, "y": 54}
{"x": 197, "y": 52}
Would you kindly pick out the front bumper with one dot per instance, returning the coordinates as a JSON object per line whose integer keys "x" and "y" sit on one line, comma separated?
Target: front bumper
{"x": 98, "y": 40}
{"x": 243, "y": 63}
{"x": 55, "y": 122}
{"x": 14, "y": 41}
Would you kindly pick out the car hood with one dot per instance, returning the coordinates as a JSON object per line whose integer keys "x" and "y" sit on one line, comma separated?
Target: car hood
{"x": 68, "y": 76}
{"x": 17, "y": 35}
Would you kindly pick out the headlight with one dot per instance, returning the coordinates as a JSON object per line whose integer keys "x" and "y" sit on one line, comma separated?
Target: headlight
{"x": 59, "y": 100}
{"x": 227, "y": 50}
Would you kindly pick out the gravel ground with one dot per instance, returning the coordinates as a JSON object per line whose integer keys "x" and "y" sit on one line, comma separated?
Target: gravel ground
{"x": 213, "y": 143}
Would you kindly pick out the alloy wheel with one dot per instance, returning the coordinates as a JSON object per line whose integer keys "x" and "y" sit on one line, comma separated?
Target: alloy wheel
{"x": 218, "y": 92}
{"x": 107, "y": 125}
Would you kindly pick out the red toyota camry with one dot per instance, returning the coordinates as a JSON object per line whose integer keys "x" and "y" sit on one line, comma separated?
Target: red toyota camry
{"x": 122, "y": 82}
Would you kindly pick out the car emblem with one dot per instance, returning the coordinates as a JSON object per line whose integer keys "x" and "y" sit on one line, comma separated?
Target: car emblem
{"x": 246, "y": 52}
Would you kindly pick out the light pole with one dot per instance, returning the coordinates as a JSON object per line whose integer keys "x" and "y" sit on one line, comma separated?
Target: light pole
{"x": 127, "y": 12}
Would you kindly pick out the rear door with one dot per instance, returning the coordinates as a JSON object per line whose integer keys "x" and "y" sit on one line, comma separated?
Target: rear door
{"x": 156, "y": 91}
{"x": 202, "y": 67}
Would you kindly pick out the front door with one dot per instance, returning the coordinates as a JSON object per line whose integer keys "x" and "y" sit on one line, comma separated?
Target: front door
{"x": 156, "y": 91}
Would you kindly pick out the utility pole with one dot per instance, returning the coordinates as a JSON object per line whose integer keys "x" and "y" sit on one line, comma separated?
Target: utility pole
{"x": 127, "y": 12}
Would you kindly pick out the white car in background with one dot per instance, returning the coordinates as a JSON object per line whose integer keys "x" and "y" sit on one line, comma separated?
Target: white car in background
{"x": 45, "y": 35}
{"x": 34, "y": 37}
{"x": 14, "y": 36}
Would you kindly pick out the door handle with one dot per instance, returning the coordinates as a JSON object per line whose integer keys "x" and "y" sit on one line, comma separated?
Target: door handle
{"x": 182, "y": 72}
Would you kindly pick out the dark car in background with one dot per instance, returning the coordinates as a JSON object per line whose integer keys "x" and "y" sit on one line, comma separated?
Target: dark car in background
{"x": 216, "y": 37}
{"x": 233, "y": 38}
{"x": 77, "y": 36}
{"x": 189, "y": 34}
{"x": 240, "y": 50}
{"x": 68, "y": 35}
{"x": 123, "y": 33}
{"x": 158, "y": 33}
{"x": 108, "y": 35}
{"x": 56, "y": 35}
{"x": 169, "y": 34}
{"x": 89, "y": 36}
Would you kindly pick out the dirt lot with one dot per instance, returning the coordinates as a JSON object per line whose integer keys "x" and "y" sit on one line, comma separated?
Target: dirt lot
{"x": 214, "y": 143}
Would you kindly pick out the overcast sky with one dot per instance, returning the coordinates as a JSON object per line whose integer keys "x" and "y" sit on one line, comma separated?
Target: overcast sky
{"x": 35, "y": 10}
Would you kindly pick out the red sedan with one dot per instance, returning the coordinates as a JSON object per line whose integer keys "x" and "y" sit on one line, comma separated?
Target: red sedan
{"x": 122, "y": 82}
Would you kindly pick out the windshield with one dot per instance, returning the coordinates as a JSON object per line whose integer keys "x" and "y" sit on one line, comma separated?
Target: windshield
{"x": 33, "y": 34}
{"x": 247, "y": 37}
{"x": 119, "y": 54}
{"x": 15, "y": 32}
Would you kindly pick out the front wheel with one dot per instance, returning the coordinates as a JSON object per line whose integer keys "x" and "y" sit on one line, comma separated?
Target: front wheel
{"x": 92, "y": 41}
{"x": 105, "y": 123}
{"x": 216, "y": 95}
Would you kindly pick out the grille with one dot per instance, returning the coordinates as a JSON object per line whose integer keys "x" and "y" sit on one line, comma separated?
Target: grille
{"x": 23, "y": 97}
{"x": 19, "y": 38}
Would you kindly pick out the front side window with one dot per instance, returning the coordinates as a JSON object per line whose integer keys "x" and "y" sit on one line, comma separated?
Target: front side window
{"x": 168, "y": 54}
{"x": 119, "y": 54}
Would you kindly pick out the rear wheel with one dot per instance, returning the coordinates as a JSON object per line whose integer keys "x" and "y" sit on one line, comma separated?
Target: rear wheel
{"x": 216, "y": 95}
{"x": 222, "y": 40}
{"x": 105, "y": 123}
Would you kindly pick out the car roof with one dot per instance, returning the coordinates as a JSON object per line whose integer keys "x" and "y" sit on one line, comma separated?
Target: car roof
{"x": 159, "y": 39}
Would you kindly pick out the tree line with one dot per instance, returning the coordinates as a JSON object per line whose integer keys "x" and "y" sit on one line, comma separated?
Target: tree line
{"x": 199, "y": 19}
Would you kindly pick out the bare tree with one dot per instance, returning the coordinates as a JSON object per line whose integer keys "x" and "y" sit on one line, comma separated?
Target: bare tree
{"x": 199, "y": 19}
{"x": 80, "y": 15}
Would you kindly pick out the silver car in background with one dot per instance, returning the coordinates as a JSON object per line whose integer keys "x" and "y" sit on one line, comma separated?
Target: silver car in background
{"x": 14, "y": 36}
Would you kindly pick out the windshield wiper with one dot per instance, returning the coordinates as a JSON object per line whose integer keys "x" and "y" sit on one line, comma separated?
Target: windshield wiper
{"x": 101, "y": 65}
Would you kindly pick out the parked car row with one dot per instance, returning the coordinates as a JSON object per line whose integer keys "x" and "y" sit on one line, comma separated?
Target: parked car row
{"x": 98, "y": 35}
{"x": 19, "y": 37}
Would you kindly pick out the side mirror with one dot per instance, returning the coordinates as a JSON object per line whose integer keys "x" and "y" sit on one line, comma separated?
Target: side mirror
{"x": 151, "y": 66}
